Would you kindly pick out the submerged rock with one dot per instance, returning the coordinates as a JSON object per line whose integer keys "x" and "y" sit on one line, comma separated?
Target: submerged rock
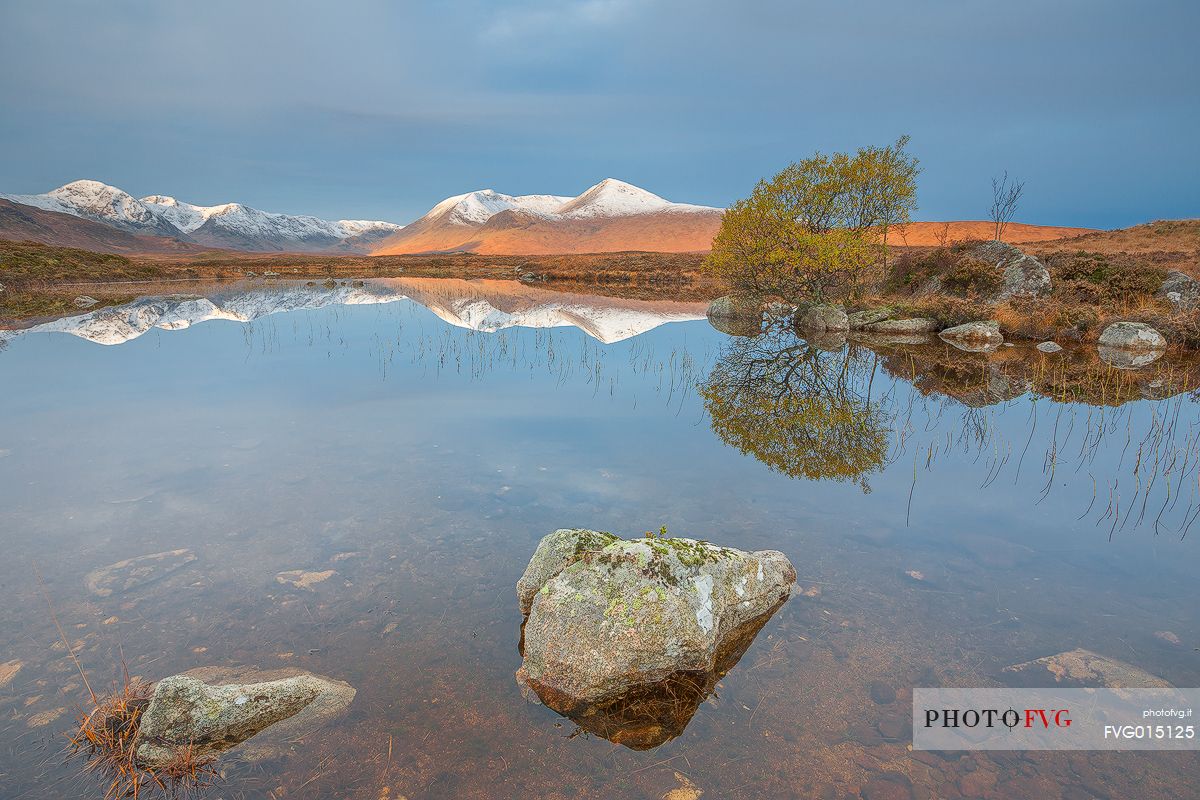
{"x": 822, "y": 319}
{"x": 1083, "y": 668}
{"x": 185, "y": 710}
{"x": 1180, "y": 290}
{"x": 1021, "y": 275}
{"x": 902, "y": 326}
{"x": 860, "y": 319}
{"x": 620, "y": 634}
{"x": 1049, "y": 347}
{"x": 974, "y": 336}
{"x": 133, "y": 572}
{"x": 303, "y": 579}
{"x": 1132, "y": 336}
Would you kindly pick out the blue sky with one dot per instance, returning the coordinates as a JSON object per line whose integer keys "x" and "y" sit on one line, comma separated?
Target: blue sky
{"x": 367, "y": 108}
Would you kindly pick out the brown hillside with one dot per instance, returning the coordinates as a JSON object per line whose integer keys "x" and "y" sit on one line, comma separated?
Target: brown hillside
{"x": 930, "y": 234}
{"x": 25, "y": 223}
{"x": 517, "y": 233}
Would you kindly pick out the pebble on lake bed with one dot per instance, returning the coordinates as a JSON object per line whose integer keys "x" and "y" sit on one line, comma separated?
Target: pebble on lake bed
{"x": 8, "y": 671}
{"x": 303, "y": 579}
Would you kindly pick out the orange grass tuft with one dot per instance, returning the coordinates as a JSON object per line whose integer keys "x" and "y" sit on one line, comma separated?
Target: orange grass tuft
{"x": 108, "y": 736}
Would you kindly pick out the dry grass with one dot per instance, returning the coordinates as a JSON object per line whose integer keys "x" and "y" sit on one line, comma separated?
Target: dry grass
{"x": 107, "y": 736}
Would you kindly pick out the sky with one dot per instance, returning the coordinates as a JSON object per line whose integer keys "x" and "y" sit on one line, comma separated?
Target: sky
{"x": 376, "y": 109}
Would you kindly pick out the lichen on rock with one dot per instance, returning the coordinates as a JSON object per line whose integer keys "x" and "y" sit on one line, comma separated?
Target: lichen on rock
{"x": 627, "y": 615}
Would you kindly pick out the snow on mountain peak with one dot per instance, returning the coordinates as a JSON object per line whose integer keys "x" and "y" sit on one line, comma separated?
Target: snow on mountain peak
{"x": 612, "y": 198}
{"x": 608, "y": 198}
{"x": 476, "y": 208}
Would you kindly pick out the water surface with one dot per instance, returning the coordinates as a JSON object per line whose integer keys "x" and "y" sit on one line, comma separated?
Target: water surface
{"x": 948, "y": 514}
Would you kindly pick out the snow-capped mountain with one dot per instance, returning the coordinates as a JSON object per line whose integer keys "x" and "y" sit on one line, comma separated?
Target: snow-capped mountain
{"x": 476, "y": 208}
{"x": 610, "y": 216}
{"x": 486, "y": 306}
{"x": 613, "y": 198}
{"x": 230, "y": 225}
{"x": 102, "y": 203}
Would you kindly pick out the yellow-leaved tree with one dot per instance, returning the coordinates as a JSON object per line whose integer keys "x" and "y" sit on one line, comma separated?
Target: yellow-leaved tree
{"x": 813, "y": 232}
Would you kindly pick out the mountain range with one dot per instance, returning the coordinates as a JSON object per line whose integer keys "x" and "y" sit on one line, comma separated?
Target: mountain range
{"x": 612, "y": 216}
{"x": 231, "y": 226}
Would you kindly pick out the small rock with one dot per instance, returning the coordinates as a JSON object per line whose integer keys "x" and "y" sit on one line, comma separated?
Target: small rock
{"x": 1049, "y": 347}
{"x": 1167, "y": 636}
{"x": 83, "y": 301}
{"x": 902, "y": 326}
{"x": 186, "y": 711}
{"x": 860, "y": 319}
{"x": 730, "y": 306}
{"x": 270, "y": 274}
{"x": 974, "y": 336}
{"x": 45, "y": 717}
{"x": 822, "y": 319}
{"x": 303, "y": 579}
{"x": 134, "y": 572}
{"x": 916, "y": 575}
{"x": 1180, "y": 290}
{"x": 685, "y": 791}
{"x": 8, "y": 671}
{"x": 1132, "y": 336}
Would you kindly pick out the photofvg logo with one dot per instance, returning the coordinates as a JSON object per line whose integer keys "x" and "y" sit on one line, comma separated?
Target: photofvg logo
{"x": 1055, "y": 719}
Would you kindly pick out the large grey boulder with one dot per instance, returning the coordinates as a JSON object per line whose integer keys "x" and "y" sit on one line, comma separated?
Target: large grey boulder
{"x": 633, "y": 613}
{"x": 975, "y": 337}
{"x": 1180, "y": 290}
{"x": 1132, "y": 336}
{"x": 822, "y": 319}
{"x": 1021, "y": 275}
{"x": 902, "y": 326}
{"x": 185, "y": 711}
{"x": 868, "y": 316}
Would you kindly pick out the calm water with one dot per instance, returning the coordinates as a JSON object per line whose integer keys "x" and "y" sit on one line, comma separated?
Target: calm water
{"x": 949, "y": 514}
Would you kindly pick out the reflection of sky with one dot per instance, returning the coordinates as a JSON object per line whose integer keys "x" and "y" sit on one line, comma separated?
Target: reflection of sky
{"x": 310, "y": 419}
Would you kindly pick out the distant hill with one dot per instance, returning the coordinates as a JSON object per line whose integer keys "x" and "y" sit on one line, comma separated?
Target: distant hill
{"x": 232, "y": 226}
{"x": 612, "y": 216}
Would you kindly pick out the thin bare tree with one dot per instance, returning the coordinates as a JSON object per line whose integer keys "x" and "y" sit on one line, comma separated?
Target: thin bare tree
{"x": 1005, "y": 197}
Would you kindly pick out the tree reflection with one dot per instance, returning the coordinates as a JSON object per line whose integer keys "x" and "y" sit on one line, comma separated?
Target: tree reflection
{"x": 801, "y": 410}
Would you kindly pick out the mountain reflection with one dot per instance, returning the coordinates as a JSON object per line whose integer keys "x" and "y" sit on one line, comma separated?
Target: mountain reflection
{"x": 481, "y": 305}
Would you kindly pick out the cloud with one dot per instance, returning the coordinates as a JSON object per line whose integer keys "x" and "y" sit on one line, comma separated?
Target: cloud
{"x": 559, "y": 18}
